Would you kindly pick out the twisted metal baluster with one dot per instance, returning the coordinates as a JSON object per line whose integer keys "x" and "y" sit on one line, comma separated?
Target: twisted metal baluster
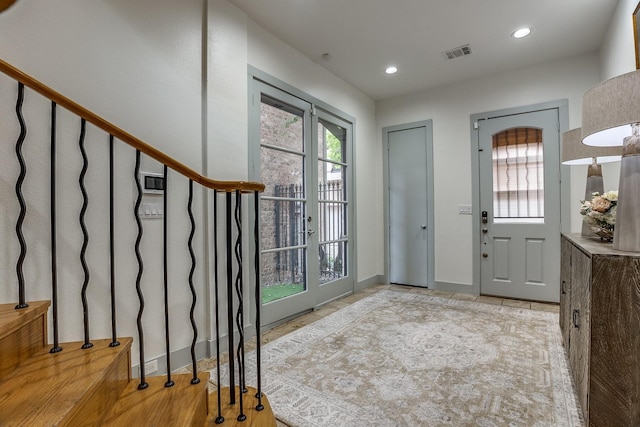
{"x": 22, "y": 301}
{"x": 232, "y": 374}
{"x": 143, "y": 383}
{"x": 54, "y": 257}
{"x": 169, "y": 382}
{"x": 85, "y": 235}
{"x": 256, "y": 236}
{"x": 219, "y": 418}
{"x": 194, "y": 327}
{"x": 114, "y": 336}
{"x": 240, "y": 311}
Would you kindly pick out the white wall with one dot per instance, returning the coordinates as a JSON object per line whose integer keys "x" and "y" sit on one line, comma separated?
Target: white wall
{"x": 617, "y": 51}
{"x": 144, "y": 70}
{"x": 450, "y": 108}
{"x": 140, "y": 68}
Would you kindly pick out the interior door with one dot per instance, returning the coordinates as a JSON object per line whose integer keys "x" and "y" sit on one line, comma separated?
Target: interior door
{"x": 408, "y": 217}
{"x": 520, "y": 205}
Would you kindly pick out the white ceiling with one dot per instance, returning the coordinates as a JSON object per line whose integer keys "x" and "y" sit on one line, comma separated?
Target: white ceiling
{"x": 363, "y": 37}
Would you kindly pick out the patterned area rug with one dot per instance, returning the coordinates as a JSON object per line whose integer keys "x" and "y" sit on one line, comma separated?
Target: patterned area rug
{"x": 403, "y": 359}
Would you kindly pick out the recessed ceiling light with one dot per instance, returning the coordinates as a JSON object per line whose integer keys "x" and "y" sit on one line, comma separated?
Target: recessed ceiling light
{"x": 391, "y": 70}
{"x": 522, "y": 32}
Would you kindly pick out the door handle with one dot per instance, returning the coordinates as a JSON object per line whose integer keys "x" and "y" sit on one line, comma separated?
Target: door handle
{"x": 576, "y": 318}
{"x": 310, "y": 232}
{"x": 424, "y": 227}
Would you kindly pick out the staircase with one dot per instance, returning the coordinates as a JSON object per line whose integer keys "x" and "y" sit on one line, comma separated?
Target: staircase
{"x": 93, "y": 387}
{"x": 78, "y": 387}
{"x": 90, "y": 382}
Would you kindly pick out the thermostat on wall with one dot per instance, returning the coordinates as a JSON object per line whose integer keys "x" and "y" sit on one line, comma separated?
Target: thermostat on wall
{"x": 152, "y": 183}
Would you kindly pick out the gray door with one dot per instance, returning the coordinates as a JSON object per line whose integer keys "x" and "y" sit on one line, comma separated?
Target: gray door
{"x": 287, "y": 223}
{"x": 520, "y": 206}
{"x": 408, "y": 218}
{"x": 303, "y": 156}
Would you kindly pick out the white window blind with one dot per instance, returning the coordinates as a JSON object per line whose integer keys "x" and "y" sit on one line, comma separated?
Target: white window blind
{"x": 518, "y": 175}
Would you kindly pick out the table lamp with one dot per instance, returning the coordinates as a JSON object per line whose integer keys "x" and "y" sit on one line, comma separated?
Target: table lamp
{"x": 610, "y": 117}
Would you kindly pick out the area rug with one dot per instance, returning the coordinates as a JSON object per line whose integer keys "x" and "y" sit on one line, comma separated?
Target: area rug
{"x": 405, "y": 359}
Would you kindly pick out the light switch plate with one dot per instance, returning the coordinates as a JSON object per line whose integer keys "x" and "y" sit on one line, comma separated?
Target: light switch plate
{"x": 465, "y": 210}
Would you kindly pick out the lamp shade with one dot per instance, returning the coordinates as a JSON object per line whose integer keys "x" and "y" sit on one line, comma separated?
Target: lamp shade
{"x": 609, "y": 108}
{"x": 574, "y": 152}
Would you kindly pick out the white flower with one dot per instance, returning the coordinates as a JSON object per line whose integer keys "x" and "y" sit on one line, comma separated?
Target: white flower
{"x": 599, "y": 213}
{"x": 612, "y": 196}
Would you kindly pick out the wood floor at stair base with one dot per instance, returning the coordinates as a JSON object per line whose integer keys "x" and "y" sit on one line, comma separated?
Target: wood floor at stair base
{"x": 22, "y": 333}
{"x": 182, "y": 405}
{"x": 264, "y": 418}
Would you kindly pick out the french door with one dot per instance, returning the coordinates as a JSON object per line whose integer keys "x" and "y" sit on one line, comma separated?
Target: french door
{"x": 301, "y": 155}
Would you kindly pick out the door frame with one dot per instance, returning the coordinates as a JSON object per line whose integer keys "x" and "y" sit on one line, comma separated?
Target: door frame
{"x": 255, "y": 77}
{"x": 428, "y": 125}
{"x": 562, "y": 105}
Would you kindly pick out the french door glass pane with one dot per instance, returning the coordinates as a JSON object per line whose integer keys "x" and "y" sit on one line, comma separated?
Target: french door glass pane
{"x": 332, "y": 261}
{"x": 282, "y": 224}
{"x": 332, "y": 201}
{"x": 282, "y": 173}
{"x": 283, "y": 273}
{"x": 282, "y": 125}
{"x": 283, "y": 207}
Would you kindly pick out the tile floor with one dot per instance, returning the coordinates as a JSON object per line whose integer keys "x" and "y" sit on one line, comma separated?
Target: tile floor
{"x": 338, "y": 304}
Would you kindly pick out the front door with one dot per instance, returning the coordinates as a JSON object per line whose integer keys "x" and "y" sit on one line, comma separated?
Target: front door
{"x": 520, "y": 205}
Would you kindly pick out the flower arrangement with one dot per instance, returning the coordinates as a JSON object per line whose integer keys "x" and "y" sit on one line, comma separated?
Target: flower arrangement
{"x": 600, "y": 213}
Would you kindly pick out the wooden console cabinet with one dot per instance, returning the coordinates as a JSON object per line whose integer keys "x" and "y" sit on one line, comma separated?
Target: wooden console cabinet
{"x": 600, "y": 323}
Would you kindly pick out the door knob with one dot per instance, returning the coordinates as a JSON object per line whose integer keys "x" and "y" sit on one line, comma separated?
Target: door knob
{"x": 424, "y": 227}
{"x": 485, "y": 255}
{"x": 310, "y": 232}
{"x": 485, "y": 230}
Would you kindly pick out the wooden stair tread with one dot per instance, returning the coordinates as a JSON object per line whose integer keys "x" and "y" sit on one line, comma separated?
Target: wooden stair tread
{"x": 264, "y": 418}
{"x": 184, "y": 404}
{"x": 11, "y": 319}
{"x": 54, "y": 389}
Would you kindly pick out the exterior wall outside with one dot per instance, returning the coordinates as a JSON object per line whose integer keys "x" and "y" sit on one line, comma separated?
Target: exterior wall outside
{"x": 282, "y": 175}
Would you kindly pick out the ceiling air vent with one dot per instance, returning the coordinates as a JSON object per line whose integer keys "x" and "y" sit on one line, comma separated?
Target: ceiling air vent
{"x": 457, "y": 52}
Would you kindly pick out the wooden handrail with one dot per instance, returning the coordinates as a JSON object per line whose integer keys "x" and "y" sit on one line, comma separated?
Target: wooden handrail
{"x": 127, "y": 138}
{"x": 5, "y": 4}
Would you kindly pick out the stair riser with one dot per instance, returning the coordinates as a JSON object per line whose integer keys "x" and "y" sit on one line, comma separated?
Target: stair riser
{"x": 22, "y": 342}
{"x": 70, "y": 388}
